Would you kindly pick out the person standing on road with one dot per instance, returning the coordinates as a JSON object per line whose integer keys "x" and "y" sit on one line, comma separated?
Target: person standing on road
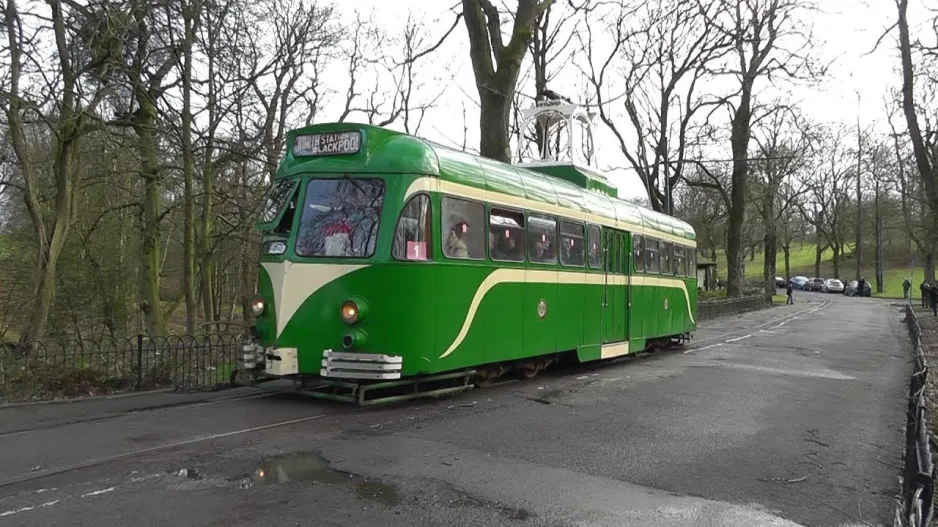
{"x": 906, "y": 288}
{"x": 788, "y": 290}
{"x": 932, "y": 290}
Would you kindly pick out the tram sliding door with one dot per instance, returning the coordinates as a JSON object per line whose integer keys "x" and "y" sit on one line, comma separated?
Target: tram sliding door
{"x": 615, "y": 294}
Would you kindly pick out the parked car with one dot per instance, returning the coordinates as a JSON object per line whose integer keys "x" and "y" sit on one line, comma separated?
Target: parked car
{"x": 798, "y": 282}
{"x": 814, "y": 284}
{"x": 851, "y": 289}
{"x": 832, "y": 285}
{"x": 780, "y": 282}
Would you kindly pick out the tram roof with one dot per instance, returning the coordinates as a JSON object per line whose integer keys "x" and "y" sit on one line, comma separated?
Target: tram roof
{"x": 384, "y": 151}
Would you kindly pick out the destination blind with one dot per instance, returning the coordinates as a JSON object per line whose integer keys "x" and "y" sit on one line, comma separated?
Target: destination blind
{"x": 328, "y": 143}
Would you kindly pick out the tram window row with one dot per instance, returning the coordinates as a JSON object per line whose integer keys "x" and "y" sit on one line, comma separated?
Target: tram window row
{"x": 517, "y": 236}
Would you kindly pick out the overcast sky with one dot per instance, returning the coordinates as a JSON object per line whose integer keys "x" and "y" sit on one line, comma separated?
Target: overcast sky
{"x": 848, "y": 29}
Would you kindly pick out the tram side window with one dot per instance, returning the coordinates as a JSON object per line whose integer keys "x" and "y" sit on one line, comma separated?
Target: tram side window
{"x": 680, "y": 264}
{"x": 506, "y": 235}
{"x": 542, "y": 239}
{"x": 637, "y": 244}
{"x": 572, "y": 243}
{"x": 463, "y": 229}
{"x": 595, "y": 241}
{"x": 412, "y": 235}
{"x": 652, "y": 263}
{"x": 666, "y": 257}
{"x": 692, "y": 260}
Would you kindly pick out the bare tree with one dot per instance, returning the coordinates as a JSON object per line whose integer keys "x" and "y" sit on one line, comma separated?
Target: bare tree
{"x": 829, "y": 196}
{"x": 496, "y": 66}
{"x": 913, "y": 200}
{"x": 414, "y": 49}
{"x": 768, "y": 42}
{"x": 665, "y": 48}
{"x": 924, "y": 145}
{"x": 784, "y": 143}
{"x": 191, "y": 18}
{"x": 62, "y": 100}
{"x": 304, "y": 34}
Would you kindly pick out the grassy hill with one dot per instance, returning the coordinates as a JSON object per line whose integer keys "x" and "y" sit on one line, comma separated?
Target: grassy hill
{"x": 802, "y": 263}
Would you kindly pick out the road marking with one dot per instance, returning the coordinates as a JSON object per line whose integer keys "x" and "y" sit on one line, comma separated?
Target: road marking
{"x": 27, "y": 509}
{"x": 95, "y": 493}
{"x": 739, "y": 338}
{"x": 822, "y": 374}
{"x": 785, "y": 318}
{"x": 704, "y": 348}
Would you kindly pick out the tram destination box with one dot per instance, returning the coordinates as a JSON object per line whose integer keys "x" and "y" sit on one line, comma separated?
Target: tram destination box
{"x": 328, "y": 143}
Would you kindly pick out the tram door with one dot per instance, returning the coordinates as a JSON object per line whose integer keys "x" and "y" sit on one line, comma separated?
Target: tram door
{"x": 615, "y": 290}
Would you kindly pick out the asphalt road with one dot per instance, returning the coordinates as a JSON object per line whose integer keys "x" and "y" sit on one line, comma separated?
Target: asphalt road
{"x": 787, "y": 416}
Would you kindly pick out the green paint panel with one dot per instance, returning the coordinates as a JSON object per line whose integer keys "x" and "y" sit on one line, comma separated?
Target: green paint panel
{"x": 592, "y": 315}
{"x": 461, "y": 168}
{"x": 539, "y": 334}
{"x": 267, "y": 322}
{"x": 589, "y": 353}
{"x": 565, "y": 315}
{"x": 539, "y": 188}
{"x": 501, "y": 314}
{"x": 582, "y": 177}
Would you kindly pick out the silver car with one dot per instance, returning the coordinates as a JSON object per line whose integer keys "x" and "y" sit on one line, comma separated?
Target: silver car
{"x": 832, "y": 285}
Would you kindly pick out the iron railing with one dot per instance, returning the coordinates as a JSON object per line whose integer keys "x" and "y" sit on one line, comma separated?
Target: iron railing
{"x": 918, "y": 476}
{"x": 74, "y": 368}
{"x": 714, "y": 308}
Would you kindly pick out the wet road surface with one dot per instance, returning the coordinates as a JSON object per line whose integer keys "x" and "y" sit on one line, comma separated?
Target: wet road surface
{"x": 787, "y": 416}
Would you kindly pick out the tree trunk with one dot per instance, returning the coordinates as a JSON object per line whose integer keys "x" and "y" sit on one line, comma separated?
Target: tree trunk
{"x": 49, "y": 233}
{"x": 836, "y": 261}
{"x": 247, "y": 285}
{"x": 879, "y": 242}
{"x": 787, "y": 249}
{"x": 920, "y": 149}
{"x": 929, "y": 267}
{"x": 493, "y": 125}
{"x": 932, "y": 246}
{"x": 188, "y": 169}
{"x": 145, "y": 120}
{"x": 739, "y": 140}
{"x": 818, "y": 252}
{"x": 768, "y": 266}
{"x": 207, "y": 261}
{"x": 858, "y": 252}
{"x": 48, "y": 252}
{"x": 496, "y": 66}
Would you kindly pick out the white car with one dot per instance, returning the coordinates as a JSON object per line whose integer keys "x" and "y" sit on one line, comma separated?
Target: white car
{"x": 832, "y": 285}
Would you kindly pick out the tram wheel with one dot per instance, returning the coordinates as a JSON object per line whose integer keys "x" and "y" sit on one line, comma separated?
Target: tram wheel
{"x": 530, "y": 370}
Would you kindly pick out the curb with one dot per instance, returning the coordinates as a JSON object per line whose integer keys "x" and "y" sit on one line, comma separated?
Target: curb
{"x": 76, "y": 400}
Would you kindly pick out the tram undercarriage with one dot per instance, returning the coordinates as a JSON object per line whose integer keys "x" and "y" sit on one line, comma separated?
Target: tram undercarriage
{"x": 369, "y": 379}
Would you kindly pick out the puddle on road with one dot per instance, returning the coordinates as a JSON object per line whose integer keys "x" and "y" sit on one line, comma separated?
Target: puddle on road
{"x": 313, "y": 467}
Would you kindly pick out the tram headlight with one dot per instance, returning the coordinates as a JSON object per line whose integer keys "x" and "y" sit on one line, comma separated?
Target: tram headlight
{"x": 353, "y": 310}
{"x": 257, "y": 305}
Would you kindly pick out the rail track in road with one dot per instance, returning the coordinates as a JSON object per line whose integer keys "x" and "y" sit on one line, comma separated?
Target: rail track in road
{"x": 737, "y": 333}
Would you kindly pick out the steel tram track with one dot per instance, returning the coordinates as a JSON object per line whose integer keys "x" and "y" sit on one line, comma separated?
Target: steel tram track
{"x": 96, "y": 462}
{"x": 109, "y": 416}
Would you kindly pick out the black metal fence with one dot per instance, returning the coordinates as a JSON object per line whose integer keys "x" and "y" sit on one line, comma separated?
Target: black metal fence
{"x": 714, "y": 308}
{"x": 74, "y": 368}
{"x": 918, "y": 478}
